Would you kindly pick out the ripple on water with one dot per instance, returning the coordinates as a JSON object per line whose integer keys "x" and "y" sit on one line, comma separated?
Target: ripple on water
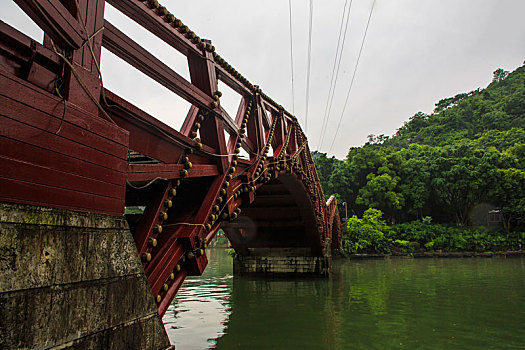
{"x": 377, "y": 304}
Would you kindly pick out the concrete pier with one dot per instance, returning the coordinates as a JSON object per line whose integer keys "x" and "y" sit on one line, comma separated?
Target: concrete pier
{"x": 73, "y": 280}
{"x": 281, "y": 262}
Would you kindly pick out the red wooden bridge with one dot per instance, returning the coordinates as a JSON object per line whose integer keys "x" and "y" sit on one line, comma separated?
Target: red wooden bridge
{"x": 67, "y": 142}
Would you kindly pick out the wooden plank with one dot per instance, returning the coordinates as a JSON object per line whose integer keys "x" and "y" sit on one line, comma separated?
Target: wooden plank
{"x": 150, "y": 218}
{"x": 82, "y": 86}
{"x": 47, "y": 158}
{"x": 172, "y": 291}
{"x": 230, "y": 126}
{"x": 30, "y": 95}
{"x": 202, "y": 72}
{"x": 144, "y": 172}
{"x": 202, "y": 75}
{"x": 162, "y": 264}
{"x": 150, "y": 136}
{"x": 231, "y": 81}
{"x": 17, "y": 43}
{"x": 189, "y": 121}
{"x": 62, "y": 128}
{"x": 125, "y": 48}
{"x": 29, "y": 193}
{"x": 55, "y": 20}
{"x": 18, "y": 170}
{"x": 147, "y": 18}
{"x": 26, "y": 133}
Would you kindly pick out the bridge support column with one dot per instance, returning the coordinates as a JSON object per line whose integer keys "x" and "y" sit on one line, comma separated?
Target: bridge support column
{"x": 281, "y": 262}
{"x": 73, "y": 280}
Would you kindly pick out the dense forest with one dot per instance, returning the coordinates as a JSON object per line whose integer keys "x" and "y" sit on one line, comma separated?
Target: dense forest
{"x": 451, "y": 180}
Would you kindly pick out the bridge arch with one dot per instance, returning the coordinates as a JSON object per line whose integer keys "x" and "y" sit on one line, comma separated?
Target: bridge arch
{"x": 281, "y": 216}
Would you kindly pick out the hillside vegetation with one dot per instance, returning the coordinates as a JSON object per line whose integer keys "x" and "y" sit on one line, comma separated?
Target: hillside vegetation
{"x": 450, "y": 167}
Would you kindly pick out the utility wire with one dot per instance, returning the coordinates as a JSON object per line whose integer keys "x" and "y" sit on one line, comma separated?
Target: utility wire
{"x": 309, "y": 60}
{"x": 353, "y": 76}
{"x": 335, "y": 73}
{"x": 291, "y": 55}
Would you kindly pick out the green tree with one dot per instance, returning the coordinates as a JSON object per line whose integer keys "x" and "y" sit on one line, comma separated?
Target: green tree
{"x": 499, "y": 74}
{"x": 379, "y": 192}
{"x": 508, "y": 192}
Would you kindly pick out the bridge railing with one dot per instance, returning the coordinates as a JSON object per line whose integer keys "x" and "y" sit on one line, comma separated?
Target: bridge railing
{"x": 75, "y": 32}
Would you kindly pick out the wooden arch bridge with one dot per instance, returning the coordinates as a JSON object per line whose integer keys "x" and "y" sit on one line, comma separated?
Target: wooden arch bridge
{"x": 67, "y": 142}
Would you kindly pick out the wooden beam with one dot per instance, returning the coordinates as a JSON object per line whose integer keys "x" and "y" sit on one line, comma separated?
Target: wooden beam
{"x": 146, "y": 172}
{"x": 125, "y": 48}
{"x": 147, "y": 18}
{"x": 56, "y": 21}
{"x": 232, "y": 82}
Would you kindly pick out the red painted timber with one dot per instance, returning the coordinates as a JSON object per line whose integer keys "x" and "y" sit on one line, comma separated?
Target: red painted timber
{"x": 232, "y": 82}
{"x": 16, "y": 130}
{"x": 17, "y": 170}
{"x": 146, "y": 17}
{"x": 55, "y": 20}
{"x": 162, "y": 270}
{"x": 172, "y": 291}
{"x": 47, "y": 158}
{"x": 150, "y": 136}
{"x": 38, "y": 99}
{"x": 34, "y": 194}
{"x": 20, "y": 49}
{"x": 125, "y": 48}
{"x": 65, "y": 129}
{"x": 144, "y": 229}
{"x": 143, "y": 172}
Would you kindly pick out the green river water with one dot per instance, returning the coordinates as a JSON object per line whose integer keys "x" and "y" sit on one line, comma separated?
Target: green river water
{"x": 398, "y": 303}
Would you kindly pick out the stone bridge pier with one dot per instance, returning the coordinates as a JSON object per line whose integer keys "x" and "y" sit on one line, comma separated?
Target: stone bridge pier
{"x": 282, "y": 262}
{"x": 278, "y": 234}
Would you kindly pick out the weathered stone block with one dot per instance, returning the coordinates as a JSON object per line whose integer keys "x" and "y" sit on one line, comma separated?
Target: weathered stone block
{"x": 73, "y": 280}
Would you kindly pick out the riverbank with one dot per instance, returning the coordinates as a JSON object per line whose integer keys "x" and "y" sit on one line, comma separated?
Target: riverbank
{"x": 439, "y": 255}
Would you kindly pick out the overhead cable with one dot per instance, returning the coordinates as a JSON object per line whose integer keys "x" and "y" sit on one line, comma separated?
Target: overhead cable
{"x": 353, "y": 76}
{"x": 335, "y": 73}
{"x": 291, "y": 54}
{"x": 308, "y": 66}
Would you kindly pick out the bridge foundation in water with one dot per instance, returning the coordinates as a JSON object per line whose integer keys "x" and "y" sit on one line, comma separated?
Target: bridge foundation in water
{"x": 283, "y": 262}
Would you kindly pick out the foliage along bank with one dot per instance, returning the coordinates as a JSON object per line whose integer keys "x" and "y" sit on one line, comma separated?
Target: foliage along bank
{"x": 437, "y": 178}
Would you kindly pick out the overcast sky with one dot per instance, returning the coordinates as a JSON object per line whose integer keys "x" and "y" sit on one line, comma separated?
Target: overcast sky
{"x": 416, "y": 53}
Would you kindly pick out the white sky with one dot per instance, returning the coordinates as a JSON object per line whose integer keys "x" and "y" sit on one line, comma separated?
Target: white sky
{"x": 416, "y": 53}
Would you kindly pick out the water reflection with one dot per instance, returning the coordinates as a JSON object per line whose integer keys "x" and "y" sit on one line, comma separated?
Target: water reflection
{"x": 374, "y": 304}
{"x": 201, "y": 309}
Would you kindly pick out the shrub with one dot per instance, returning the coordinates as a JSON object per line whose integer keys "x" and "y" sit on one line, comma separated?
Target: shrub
{"x": 369, "y": 234}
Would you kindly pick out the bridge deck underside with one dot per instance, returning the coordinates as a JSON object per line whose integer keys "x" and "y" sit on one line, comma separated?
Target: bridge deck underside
{"x": 275, "y": 219}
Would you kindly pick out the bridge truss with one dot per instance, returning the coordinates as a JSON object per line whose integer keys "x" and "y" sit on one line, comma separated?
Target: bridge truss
{"x": 69, "y": 142}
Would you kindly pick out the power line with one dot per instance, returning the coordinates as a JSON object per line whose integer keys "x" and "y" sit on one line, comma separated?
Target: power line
{"x": 309, "y": 60}
{"x": 291, "y": 54}
{"x": 353, "y": 76}
{"x": 333, "y": 84}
